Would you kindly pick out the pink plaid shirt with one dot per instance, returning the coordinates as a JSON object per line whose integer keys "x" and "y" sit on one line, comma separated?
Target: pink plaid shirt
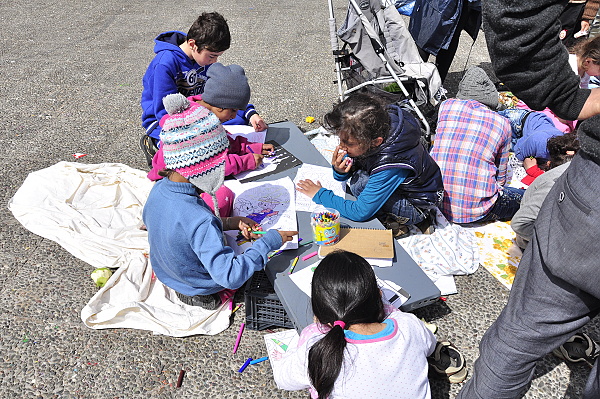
{"x": 471, "y": 147}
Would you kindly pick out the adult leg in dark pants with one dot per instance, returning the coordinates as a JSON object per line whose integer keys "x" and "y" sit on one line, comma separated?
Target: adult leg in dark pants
{"x": 444, "y": 58}
{"x": 556, "y": 290}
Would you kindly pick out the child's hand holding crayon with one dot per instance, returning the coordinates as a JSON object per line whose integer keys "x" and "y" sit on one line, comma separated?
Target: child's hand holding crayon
{"x": 258, "y": 158}
{"x": 340, "y": 161}
{"x": 268, "y": 150}
{"x": 244, "y": 224}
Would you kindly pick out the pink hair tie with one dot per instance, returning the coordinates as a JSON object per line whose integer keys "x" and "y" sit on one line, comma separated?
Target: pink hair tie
{"x": 339, "y": 323}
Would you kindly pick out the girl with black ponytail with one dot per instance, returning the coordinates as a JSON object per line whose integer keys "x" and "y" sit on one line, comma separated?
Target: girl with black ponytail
{"x": 353, "y": 350}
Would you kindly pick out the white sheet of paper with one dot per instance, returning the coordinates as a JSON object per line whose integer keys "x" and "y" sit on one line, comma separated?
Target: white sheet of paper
{"x": 446, "y": 285}
{"x": 380, "y": 262}
{"x": 316, "y": 173}
{"x": 268, "y": 165}
{"x": 303, "y": 278}
{"x": 269, "y": 203}
{"x": 247, "y": 132}
{"x": 280, "y": 342}
{"x": 392, "y": 292}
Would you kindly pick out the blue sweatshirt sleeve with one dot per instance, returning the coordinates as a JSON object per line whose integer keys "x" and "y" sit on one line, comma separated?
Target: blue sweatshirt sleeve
{"x": 163, "y": 85}
{"x": 225, "y": 268}
{"x": 378, "y": 190}
{"x": 341, "y": 176}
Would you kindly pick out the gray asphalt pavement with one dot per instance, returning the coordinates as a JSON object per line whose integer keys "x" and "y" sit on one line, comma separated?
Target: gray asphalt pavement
{"x": 70, "y": 82}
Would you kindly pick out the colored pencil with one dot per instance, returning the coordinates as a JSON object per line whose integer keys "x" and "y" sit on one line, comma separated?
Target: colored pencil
{"x": 262, "y": 359}
{"x": 246, "y": 363}
{"x": 239, "y": 337}
{"x": 310, "y": 255}
{"x": 293, "y": 264}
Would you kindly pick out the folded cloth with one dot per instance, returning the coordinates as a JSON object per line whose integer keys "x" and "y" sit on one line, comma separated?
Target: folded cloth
{"x": 95, "y": 213}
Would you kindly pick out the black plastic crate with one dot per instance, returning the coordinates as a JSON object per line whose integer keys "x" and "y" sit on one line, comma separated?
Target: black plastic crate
{"x": 263, "y": 307}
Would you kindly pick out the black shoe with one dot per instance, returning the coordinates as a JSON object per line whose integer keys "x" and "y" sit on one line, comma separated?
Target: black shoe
{"x": 579, "y": 348}
{"x": 427, "y": 225}
{"x": 391, "y": 223}
{"x": 148, "y": 147}
{"x": 208, "y": 302}
{"x": 447, "y": 362}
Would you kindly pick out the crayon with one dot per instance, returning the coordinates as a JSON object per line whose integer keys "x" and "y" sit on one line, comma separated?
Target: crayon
{"x": 310, "y": 255}
{"x": 246, "y": 363}
{"x": 293, "y": 265}
{"x": 239, "y": 337}
{"x": 275, "y": 253}
{"x": 306, "y": 243}
{"x": 180, "y": 379}
{"x": 262, "y": 359}
{"x": 237, "y": 308}
{"x": 259, "y": 232}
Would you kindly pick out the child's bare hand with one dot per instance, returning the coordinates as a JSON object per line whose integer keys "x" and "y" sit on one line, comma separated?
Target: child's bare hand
{"x": 258, "y": 158}
{"x": 308, "y": 187}
{"x": 244, "y": 224}
{"x": 340, "y": 161}
{"x": 258, "y": 123}
{"x": 267, "y": 149}
{"x": 287, "y": 235}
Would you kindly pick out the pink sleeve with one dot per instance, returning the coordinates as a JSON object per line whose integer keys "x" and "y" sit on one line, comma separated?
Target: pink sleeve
{"x": 240, "y": 145}
{"x": 158, "y": 164}
{"x": 239, "y": 158}
{"x": 235, "y": 164}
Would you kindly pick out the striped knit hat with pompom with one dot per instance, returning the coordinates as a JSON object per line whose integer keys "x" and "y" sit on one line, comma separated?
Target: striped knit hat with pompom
{"x": 194, "y": 144}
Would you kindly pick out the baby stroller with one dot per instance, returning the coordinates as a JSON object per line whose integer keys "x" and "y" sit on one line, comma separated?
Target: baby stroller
{"x": 379, "y": 55}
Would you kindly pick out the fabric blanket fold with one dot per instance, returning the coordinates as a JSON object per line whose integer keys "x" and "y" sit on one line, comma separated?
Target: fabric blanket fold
{"x": 94, "y": 212}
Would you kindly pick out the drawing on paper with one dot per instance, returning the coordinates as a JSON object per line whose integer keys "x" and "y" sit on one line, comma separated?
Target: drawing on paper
{"x": 269, "y": 204}
{"x": 281, "y": 160}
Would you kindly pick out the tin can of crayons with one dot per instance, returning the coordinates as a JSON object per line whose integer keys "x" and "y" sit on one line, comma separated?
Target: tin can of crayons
{"x": 325, "y": 224}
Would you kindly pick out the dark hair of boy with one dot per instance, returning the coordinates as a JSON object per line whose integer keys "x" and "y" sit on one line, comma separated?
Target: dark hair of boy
{"x": 210, "y": 31}
{"x": 562, "y": 148}
{"x": 343, "y": 288}
{"x": 361, "y": 116}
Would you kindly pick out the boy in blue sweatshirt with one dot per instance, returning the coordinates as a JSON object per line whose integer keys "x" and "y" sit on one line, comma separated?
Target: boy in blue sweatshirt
{"x": 180, "y": 66}
{"x": 187, "y": 251}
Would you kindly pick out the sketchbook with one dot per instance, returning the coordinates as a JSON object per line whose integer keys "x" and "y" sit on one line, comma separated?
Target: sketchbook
{"x": 368, "y": 243}
{"x": 280, "y": 161}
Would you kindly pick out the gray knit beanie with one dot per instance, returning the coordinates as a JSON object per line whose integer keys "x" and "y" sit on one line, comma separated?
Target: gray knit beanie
{"x": 588, "y": 133}
{"x": 226, "y": 87}
{"x": 476, "y": 85}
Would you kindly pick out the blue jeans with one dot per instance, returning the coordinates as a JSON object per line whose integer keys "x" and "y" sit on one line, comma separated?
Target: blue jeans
{"x": 506, "y": 205}
{"x": 556, "y": 290}
{"x": 403, "y": 210}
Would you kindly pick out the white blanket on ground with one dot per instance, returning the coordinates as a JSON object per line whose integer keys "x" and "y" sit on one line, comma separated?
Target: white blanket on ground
{"x": 94, "y": 212}
{"x": 451, "y": 250}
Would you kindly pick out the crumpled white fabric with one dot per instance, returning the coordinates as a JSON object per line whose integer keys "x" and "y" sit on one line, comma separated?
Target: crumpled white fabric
{"x": 94, "y": 212}
{"x": 451, "y": 250}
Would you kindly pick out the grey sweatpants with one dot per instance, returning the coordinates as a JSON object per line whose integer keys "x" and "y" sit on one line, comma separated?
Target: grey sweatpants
{"x": 555, "y": 291}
